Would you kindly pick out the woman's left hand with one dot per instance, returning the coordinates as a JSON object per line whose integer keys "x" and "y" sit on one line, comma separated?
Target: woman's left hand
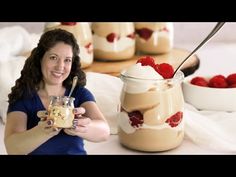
{"x": 80, "y": 123}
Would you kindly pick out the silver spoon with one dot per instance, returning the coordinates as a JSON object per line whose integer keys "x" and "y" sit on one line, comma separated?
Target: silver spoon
{"x": 210, "y": 35}
{"x": 74, "y": 82}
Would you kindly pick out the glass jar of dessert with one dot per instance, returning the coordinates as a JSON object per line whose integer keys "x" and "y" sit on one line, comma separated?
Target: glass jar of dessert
{"x": 61, "y": 111}
{"x": 154, "y": 37}
{"x": 151, "y": 110}
{"x": 82, "y": 33}
{"x": 113, "y": 40}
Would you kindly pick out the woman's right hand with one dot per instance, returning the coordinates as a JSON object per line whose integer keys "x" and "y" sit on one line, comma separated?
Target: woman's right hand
{"x": 46, "y": 125}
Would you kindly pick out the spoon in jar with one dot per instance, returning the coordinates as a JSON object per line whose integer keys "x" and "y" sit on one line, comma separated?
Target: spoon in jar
{"x": 74, "y": 82}
{"x": 210, "y": 35}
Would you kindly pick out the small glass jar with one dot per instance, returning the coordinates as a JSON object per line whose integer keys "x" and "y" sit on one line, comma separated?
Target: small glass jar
{"x": 113, "y": 40}
{"x": 61, "y": 111}
{"x": 151, "y": 113}
{"x": 83, "y": 35}
{"x": 155, "y": 37}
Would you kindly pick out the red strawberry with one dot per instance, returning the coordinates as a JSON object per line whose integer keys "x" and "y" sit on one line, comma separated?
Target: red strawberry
{"x": 136, "y": 118}
{"x": 112, "y": 36}
{"x": 200, "y": 81}
{"x": 147, "y": 61}
{"x": 144, "y": 33}
{"x": 175, "y": 119}
{"x": 68, "y": 23}
{"x": 89, "y": 47}
{"x": 165, "y": 70}
{"x": 232, "y": 86}
{"x": 231, "y": 79}
{"x": 218, "y": 81}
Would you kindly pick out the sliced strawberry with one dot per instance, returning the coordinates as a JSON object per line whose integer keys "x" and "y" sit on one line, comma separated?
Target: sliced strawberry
{"x": 218, "y": 81}
{"x": 231, "y": 79}
{"x": 89, "y": 47}
{"x": 68, "y": 23}
{"x": 175, "y": 119}
{"x": 165, "y": 70}
{"x": 200, "y": 81}
{"x": 112, "y": 37}
{"x": 144, "y": 33}
{"x": 136, "y": 118}
{"x": 147, "y": 61}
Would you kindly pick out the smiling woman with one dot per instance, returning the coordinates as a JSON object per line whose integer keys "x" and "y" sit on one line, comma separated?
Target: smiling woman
{"x": 48, "y": 71}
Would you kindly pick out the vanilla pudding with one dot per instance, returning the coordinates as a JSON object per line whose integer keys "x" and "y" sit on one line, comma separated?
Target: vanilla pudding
{"x": 151, "y": 114}
{"x": 61, "y": 111}
{"x": 113, "y": 40}
{"x": 82, "y": 33}
{"x": 154, "y": 38}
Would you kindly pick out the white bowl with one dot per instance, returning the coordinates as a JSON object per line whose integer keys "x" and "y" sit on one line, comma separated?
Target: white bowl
{"x": 206, "y": 98}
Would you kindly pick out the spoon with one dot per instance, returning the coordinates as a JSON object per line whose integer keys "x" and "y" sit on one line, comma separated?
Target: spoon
{"x": 210, "y": 35}
{"x": 75, "y": 79}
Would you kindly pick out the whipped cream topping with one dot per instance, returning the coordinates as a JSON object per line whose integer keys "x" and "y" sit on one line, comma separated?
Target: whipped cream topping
{"x": 142, "y": 72}
{"x": 125, "y": 125}
{"x": 137, "y": 71}
{"x": 123, "y": 43}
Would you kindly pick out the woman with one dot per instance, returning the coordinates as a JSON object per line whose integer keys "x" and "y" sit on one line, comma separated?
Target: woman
{"x": 48, "y": 71}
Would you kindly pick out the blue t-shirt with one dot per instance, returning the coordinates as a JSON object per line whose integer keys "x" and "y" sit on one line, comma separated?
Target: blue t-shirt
{"x": 61, "y": 143}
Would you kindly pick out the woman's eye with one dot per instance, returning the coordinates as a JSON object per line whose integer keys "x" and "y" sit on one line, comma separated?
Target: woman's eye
{"x": 68, "y": 60}
{"x": 53, "y": 58}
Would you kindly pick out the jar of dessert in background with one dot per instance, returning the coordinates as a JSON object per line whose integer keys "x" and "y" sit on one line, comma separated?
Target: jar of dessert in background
{"x": 151, "y": 111}
{"x": 113, "y": 40}
{"x": 83, "y": 35}
{"x": 154, "y": 37}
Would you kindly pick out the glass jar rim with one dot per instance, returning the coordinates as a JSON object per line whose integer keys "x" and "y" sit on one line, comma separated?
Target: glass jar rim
{"x": 179, "y": 76}
{"x": 62, "y": 97}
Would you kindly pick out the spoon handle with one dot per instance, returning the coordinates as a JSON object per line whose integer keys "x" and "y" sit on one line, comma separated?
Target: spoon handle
{"x": 210, "y": 35}
{"x": 74, "y": 82}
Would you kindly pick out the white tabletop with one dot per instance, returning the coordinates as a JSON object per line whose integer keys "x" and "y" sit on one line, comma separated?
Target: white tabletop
{"x": 215, "y": 58}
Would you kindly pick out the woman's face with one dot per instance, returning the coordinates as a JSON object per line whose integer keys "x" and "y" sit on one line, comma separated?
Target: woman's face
{"x": 56, "y": 64}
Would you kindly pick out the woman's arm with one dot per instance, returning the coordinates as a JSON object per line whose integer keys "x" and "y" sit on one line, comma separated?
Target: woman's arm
{"x": 19, "y": 140}
{"x": 92, "y": 125}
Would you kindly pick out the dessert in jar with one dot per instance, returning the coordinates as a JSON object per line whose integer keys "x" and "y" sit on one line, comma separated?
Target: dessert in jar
{"x": 154, "y": 37}
{"x": 61, "y": 111}
{"x": 113, "y": 40}
{"x": 151, "y": 112}
{"x": 82, "y": 33}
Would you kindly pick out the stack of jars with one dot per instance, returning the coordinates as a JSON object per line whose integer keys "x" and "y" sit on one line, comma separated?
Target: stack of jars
{"x": 116, "y": 41}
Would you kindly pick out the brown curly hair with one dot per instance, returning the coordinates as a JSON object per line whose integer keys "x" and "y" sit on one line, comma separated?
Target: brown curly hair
{"x": 31, "y": 74}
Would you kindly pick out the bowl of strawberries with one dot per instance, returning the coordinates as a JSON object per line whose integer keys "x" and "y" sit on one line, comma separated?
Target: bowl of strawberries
{"x": 216, "y": 92}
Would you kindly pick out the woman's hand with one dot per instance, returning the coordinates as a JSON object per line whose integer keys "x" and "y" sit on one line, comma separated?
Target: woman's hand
{"x": 80, "y": 123}
{"x": 46, "y": 125}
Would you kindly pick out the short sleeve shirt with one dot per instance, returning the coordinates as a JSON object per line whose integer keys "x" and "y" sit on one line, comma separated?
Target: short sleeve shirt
{"x": 61, "y": 143}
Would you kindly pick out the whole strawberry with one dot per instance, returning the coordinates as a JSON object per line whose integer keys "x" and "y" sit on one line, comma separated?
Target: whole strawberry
{"x": 231, "y": 79}
{"x": 200, "y": 81}
{"x": 147, "y": 61}
{"x": 165, "y": 70}
{"x": 218, "y": 81}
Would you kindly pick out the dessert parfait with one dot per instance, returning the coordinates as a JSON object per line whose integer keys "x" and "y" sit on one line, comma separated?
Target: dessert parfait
{"x": 61, "y": 111}
{"x": 113, "y": 40}
{"x": 154, "y": 38}
{"x": 82, "y": 33}
{"x": 151, "y": 113}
